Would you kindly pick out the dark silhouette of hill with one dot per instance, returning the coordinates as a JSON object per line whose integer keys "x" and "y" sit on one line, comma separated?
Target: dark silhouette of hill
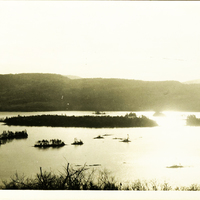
{"x": 45, "y": 92}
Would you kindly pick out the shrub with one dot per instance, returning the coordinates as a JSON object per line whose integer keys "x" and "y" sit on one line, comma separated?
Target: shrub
{"x": 83, "y": 179}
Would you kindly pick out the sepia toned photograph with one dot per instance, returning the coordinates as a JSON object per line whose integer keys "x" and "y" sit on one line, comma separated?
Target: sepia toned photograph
{"x": 99, "y": 100}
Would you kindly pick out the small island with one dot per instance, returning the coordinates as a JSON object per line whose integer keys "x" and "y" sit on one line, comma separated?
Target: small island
{"x": 99, "y": 137}
{"x": 51, "y": 143}
{"x": 6, "y": 135}
{"x": 129, "y": 120}
{"x": 126, "y": 139}
{"x": 175, "y": 166}
{"x": 192, "y": 120}
{"x": 158, "y": 114}
{"x": 77, "y": 142}
{"x": 99, "y": 113}
{"x": 107, "y": 134}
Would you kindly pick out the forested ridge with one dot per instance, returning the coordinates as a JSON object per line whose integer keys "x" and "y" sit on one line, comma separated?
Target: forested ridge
{"x": 49, "y": 92}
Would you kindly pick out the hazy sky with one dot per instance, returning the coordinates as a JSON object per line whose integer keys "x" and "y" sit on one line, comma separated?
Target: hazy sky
{"x": 135, "y": 40}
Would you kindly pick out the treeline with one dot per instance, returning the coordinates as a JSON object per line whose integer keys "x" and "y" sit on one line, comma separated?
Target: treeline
{"x": 80, "y": 121}
{"x": 48, "y": 92}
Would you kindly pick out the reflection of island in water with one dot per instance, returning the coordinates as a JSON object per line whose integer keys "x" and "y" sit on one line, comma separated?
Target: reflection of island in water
{"x": 158, "y": 114}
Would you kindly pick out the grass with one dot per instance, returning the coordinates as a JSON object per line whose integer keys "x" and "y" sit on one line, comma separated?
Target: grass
{"x": 73, "y": 178}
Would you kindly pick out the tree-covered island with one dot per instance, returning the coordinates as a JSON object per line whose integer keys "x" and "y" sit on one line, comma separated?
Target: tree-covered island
{"x": 13, "y": 135}
{"x": 192, "y": 120}
{"x": 51, "y": 143}
{"x": 81, "y": 121}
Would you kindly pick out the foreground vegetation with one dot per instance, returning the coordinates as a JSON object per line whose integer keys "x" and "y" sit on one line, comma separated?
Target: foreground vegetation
{"x": 81, "y": 179}
{"x": 81, "y": 121}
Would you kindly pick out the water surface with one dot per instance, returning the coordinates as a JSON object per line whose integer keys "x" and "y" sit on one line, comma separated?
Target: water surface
{"x": 150, "y": 155}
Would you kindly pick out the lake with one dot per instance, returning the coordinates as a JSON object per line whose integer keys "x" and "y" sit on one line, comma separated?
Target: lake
{"x": 148, "y": 156}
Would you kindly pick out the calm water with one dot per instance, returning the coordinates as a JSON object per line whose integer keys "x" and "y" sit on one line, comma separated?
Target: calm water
{"x": 146, "y": 157}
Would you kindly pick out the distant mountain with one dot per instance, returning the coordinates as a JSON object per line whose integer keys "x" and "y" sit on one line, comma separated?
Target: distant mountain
{"x": 192, "y": 82}
{"x": 48, "y": 92}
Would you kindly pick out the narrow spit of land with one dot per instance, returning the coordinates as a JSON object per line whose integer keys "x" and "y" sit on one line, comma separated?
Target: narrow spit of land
{"x": 81, "y": 121}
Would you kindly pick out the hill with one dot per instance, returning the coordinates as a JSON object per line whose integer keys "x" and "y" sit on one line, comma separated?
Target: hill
{"x": 46, "y": 92}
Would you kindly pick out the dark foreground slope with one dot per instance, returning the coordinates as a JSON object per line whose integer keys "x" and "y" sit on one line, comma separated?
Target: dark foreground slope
{"x": 46, "y": 92}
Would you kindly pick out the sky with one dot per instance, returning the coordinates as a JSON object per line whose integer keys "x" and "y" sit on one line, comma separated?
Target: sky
{"x": 122, "y": 39}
